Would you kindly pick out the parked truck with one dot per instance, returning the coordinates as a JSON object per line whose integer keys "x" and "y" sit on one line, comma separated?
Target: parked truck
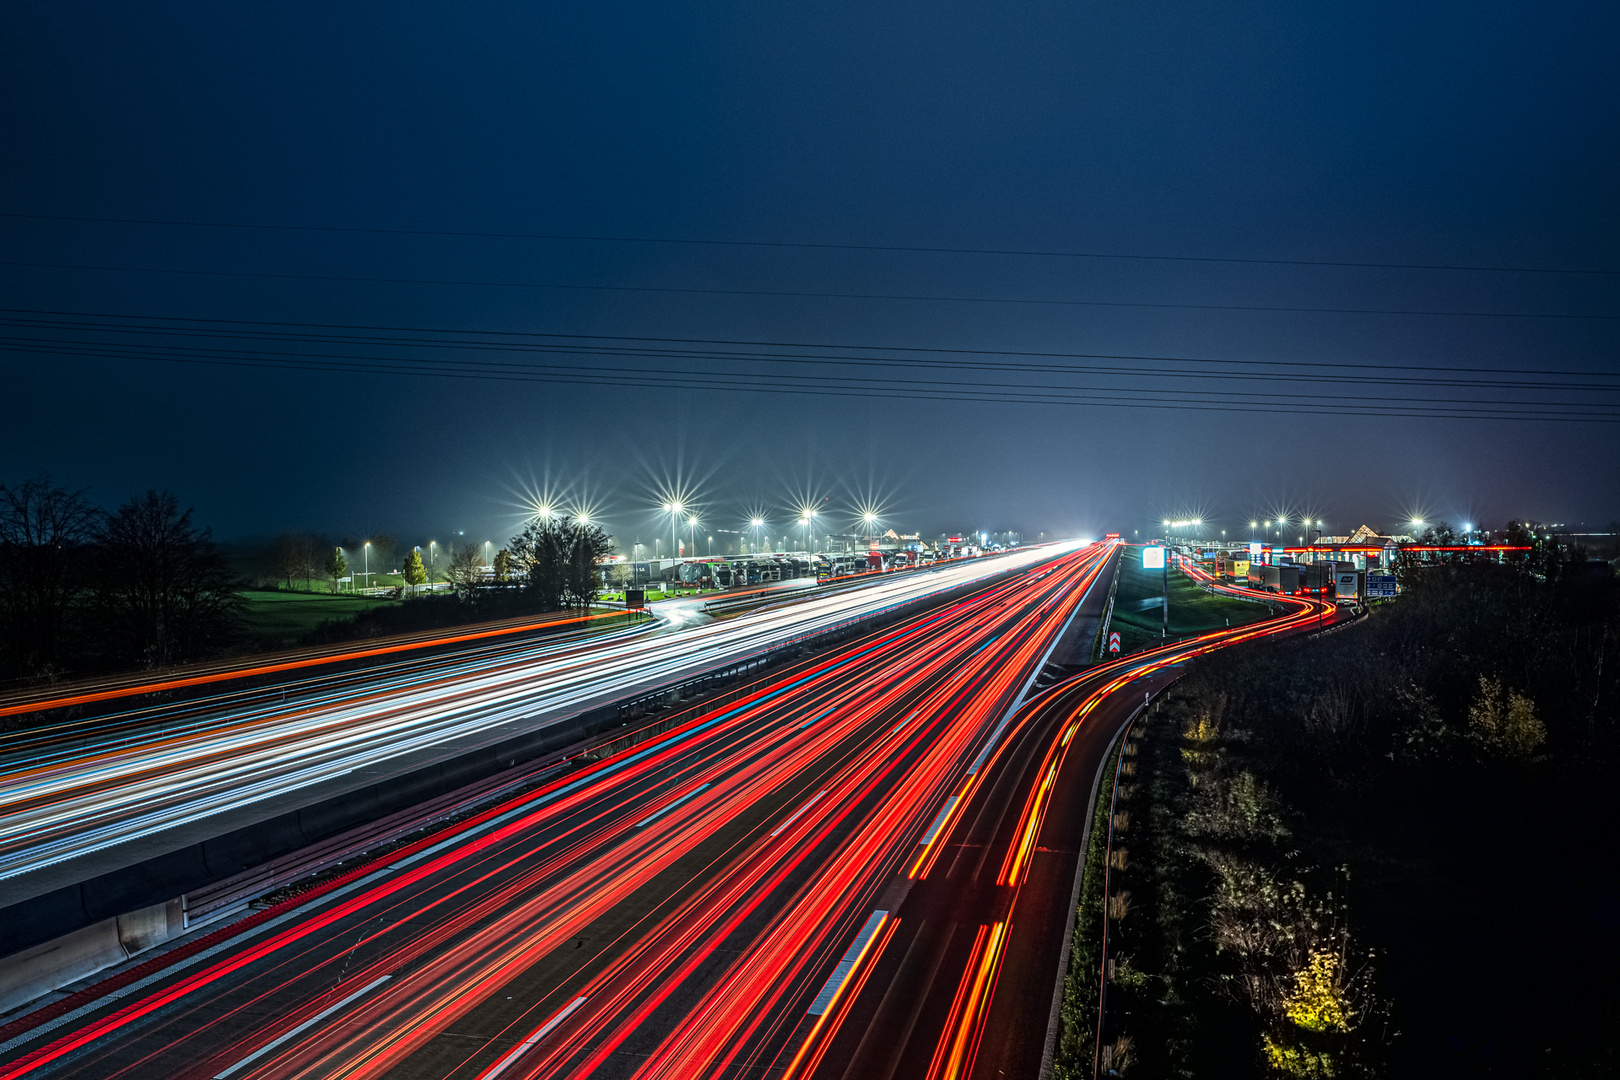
{"x": 1282, "y": 579}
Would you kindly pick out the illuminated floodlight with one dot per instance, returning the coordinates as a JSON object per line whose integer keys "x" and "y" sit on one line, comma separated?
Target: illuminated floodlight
{"x": 1153, "y": 557}
{"x": 757, "y": 522}
{"x": 869, "y": 517}
{"x": 583, "y": 517}
{"x": 692, "y": 521}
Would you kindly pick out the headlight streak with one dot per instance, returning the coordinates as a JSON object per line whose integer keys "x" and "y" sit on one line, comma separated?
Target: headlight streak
{"x": 710, "y": 1036}
{"x": 59, "y": 808}
{"x": 580, "y": 881}
{"x": 953, "y": 1057}
{"x": 955, "y": 1051}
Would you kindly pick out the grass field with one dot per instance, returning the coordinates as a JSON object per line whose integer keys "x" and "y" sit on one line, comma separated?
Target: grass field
{"x": 1138, "y": 616}
{"x": 283, "y": 618}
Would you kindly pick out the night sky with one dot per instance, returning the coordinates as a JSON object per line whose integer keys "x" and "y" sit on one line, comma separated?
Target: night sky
{"x": 741, "y": 198}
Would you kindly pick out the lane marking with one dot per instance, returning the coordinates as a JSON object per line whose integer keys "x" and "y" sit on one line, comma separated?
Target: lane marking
{"x": 797, "y": 812}
{"x": 660, "y": 813}
{"x": 814, "y": 718}
{"x": 523, "y": 1047}
{"x": 939, "y": 822}
{"x": 840, "y": 975}
{"x": 301, "y": 1028}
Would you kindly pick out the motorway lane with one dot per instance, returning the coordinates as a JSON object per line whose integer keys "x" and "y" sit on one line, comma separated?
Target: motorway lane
{"x": 624, "y": 861}
{"x": 964, "y": 985}
{"x": 64, "y": 801}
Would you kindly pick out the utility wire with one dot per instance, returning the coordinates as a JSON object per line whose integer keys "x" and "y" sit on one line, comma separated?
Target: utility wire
{"x": 486, "y": 366}
{"x": 790, "y": 245}
{"x": 770, "y": 349}
{"x": 714, "y": 384}
{"x": 804, "y": 295}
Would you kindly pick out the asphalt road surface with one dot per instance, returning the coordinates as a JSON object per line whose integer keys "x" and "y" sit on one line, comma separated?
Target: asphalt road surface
{"x": 679, "y": 909}
{"x": 72, "y": 795}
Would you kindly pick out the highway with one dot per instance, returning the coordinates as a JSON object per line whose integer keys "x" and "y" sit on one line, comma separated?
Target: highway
{"x": 677, "y": 909}
{"x": 72, "y": 791}
{"x": 964, "y": 983}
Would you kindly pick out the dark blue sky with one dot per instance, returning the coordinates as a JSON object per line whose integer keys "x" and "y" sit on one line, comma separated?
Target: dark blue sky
{"x": 1438, "y": 134}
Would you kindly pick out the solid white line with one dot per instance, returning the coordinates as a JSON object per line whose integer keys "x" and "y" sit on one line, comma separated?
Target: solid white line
{"x": 521, "y": 1048}
{"x": 939, "y": 822}
{"x": 840, "y": 975}
{"x": 655, "y": 816}
{"x": 301, "y": 1028}
{"x": 797, "y": 812}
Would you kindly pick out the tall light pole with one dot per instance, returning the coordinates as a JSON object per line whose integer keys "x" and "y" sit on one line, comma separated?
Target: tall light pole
{"x": 674, "y": 509}
{"x": 692, "y": 524}
{"x": 433, "y": 546}
{"x": 368, "y": 564}
{"x": 756, "y": 523}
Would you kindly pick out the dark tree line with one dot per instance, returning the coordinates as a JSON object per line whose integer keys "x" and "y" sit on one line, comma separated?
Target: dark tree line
{"x": 554, "y": 560}
{"x": 84, "y": 589}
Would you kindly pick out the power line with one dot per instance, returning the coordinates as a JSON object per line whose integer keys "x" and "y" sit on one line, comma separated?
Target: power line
{"x": 800, "y": 295}
{"x": 888, "y": 389}
{"x": 772, "y": 344}
{"x": 792, "y": 245}
{"x": 1156, "y": 403}
{"x": 406, "y": 365}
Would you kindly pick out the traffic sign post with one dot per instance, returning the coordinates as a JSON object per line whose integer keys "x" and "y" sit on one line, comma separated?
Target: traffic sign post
{"x": 1113, "y": 642}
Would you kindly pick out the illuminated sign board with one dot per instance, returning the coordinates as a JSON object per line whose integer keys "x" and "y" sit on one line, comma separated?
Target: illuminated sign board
{"x": 1153, "y": 557}
{"x": 1254, "y": 550}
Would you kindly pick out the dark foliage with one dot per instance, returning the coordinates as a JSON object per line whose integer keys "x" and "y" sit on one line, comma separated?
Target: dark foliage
{"x": 162, "y": 592}
{"x": 1438, "y": 778}
{"x": 45, "y": 537}
{"x": 556, "y": 560}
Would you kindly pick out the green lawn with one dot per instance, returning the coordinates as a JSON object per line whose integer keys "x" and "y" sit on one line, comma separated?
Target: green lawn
{"x": 283, "y": 618}
{"x": 1138, "y": 614}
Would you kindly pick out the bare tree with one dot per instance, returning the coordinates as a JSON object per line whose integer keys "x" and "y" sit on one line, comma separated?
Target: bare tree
{"x": 466, "y": 571}
{"x": 44, "y": 535}
{"x": 293, "y": 555}
{"x": 163, "y": 591}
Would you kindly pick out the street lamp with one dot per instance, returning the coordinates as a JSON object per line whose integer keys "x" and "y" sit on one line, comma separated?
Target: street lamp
{"x": 756, "y": 523}
{"x": 674, "y": 510}
{"x": 432, "y": 547}
{"x": 368, "y": 564}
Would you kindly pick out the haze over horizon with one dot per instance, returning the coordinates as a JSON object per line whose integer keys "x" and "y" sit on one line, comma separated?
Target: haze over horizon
{"x": 273, "y": 261}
